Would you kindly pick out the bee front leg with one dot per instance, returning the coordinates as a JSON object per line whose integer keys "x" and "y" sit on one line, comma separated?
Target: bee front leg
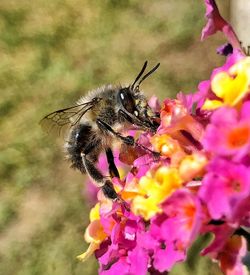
{"x": 128, "y": 140}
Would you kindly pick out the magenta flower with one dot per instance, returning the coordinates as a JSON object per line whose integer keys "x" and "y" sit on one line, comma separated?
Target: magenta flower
{"x": 229, "y": 132}
{"x": 127, "y": 248}
{"x": 224, "y": 189}
{"x": 215, "y": 21}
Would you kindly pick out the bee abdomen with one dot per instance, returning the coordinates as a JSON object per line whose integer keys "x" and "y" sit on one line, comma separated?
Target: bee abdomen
{"x": 78, "y": 142}
{"x": 74, "y": 155}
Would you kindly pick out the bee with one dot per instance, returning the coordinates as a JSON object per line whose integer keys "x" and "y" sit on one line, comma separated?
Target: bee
{"x": 97, "y": 120}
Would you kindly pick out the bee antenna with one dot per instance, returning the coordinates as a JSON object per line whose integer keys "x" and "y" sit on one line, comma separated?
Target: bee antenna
{"x": 148, "y": 74}
{"x": 140, "y": 74}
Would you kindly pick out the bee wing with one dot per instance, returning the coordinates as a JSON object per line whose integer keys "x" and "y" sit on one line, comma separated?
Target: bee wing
{"x": 60, "y": 120}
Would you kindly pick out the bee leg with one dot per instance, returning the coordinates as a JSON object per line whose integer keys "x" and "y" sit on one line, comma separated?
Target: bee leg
{"x": 129, "y": 140}
{"x": 106, "y": 185}
{"x": 100, "y": 180}
{"x": 112, "y": 167}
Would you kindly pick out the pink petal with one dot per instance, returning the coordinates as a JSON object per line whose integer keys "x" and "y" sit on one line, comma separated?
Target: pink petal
{"x": 165, "y": 259}
{"x": 217, "y": 23}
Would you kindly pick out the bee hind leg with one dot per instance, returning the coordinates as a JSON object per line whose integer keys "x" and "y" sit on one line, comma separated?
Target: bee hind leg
{"x": 113, "y": 171}
{"x": 100, "y": 180}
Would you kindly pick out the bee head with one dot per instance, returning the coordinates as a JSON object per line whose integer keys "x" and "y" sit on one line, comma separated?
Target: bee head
{"x": 135, "y": 104}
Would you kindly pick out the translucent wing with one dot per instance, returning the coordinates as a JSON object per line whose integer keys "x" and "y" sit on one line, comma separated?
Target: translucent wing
{"x": 60, "y": 120}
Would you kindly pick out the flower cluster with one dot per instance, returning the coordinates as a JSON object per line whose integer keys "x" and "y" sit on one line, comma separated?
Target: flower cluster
{"x": 200, "y": 183}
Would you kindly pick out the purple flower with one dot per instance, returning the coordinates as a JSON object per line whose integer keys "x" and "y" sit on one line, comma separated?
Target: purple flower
{"x": 225, "y": 49}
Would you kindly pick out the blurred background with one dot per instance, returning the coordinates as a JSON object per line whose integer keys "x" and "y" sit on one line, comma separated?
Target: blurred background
{"x": 51, "y": 53}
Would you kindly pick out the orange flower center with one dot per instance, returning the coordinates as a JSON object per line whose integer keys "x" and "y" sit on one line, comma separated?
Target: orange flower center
{"x": 238, "y": 137}
{"x": 189, "y": 211}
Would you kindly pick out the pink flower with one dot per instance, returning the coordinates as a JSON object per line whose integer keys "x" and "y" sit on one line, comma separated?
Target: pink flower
{"x": 171, "y": 233}
{"x": 230, "y": 61}
{"x": 221, "y": 234}
{"x": 230, "y": 258}
{"x": 117, "y": 250}
{"x": 165, "y": 253}
{"x": 228, "y": 251}
{"x": 183, "y": 218}
{"x": 194, "y": 101}
{"x": 217, "y": 23}
{"x": 120, "y": 267}
{"x": 171, "y": 112}
{"x": 224, "y": 189}
{"x": 154, "y": 104}
{"x": 139, "y": 260}
{"x": 166, "y": 258}
{"x": 180, "y": 125}
{"x": 229, "y": 132}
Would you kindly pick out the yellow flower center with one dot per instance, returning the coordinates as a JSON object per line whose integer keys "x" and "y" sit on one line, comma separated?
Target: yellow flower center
{"x": 153, "y": 189}
{"x": 230, "y": 87}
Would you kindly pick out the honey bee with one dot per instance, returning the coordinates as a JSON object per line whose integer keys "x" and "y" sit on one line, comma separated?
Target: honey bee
{"x": 97, "y": 120}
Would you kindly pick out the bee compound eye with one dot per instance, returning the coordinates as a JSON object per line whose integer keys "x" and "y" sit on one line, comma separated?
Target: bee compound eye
{"x": 122, "y": 96}
{"x": 127, "y": 100}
